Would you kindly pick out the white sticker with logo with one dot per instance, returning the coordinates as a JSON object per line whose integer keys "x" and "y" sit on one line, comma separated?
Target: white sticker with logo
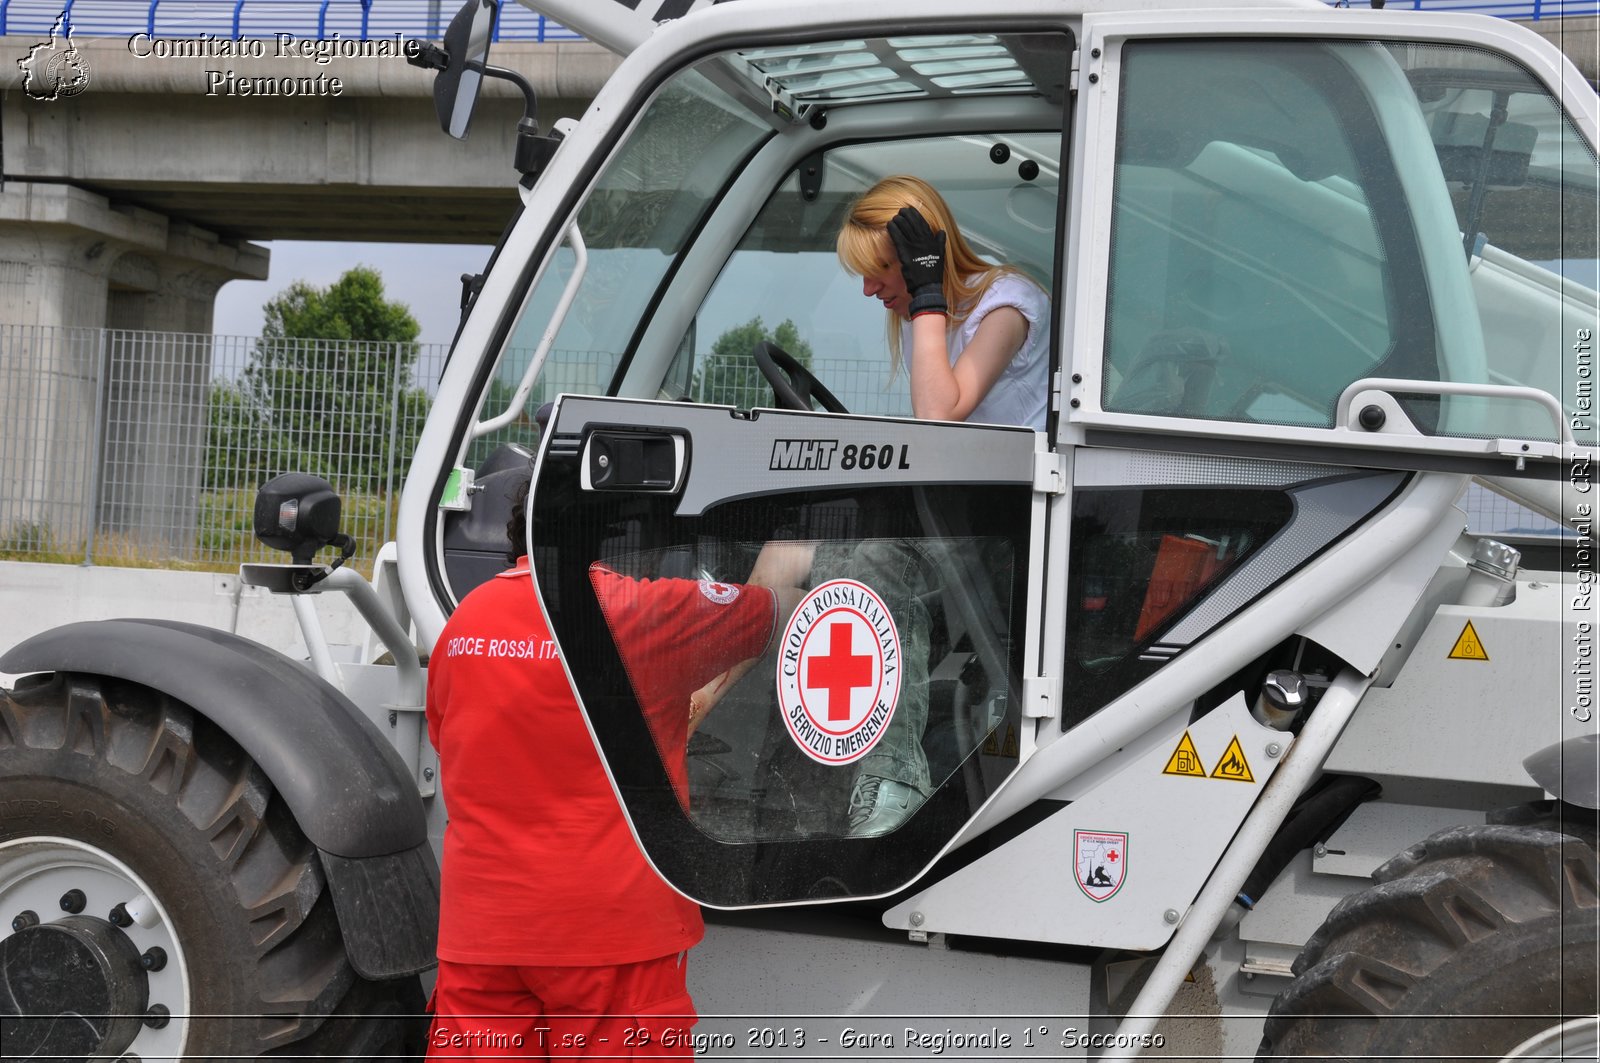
{"x": 839, "y": 672}
{"x": 1102, "y": 862}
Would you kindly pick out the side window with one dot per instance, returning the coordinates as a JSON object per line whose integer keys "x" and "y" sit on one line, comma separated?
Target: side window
{"x": 1141, "y": 558}
{"x": 784, "y": 283}
{"x": 688, "y": 144}
{"x": 1523, "y": 186}
{"x": 1261, "y": 257}
{"x": 1290, "y": 217}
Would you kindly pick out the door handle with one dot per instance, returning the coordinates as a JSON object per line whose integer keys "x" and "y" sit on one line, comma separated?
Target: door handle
{"x": 617, "y": 459}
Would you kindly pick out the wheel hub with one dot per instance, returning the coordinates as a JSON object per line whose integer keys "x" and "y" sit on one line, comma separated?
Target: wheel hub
{"x": 70, "y": 988}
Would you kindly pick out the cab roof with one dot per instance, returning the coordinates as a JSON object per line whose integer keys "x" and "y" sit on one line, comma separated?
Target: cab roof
{"x": 622, "y": 25}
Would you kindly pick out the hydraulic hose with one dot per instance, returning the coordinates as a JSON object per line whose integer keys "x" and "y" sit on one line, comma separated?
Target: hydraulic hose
{"x": 1308, "y": 823}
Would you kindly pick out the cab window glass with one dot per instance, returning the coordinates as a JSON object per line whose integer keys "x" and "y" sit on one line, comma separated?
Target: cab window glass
{"x": 1523, "y": 186}
{"x": 1141, "y": 559}
{"x": 1253, "y": 273}
{"x": 901, "y": 663}
{"x": 1291, "y": 217}
{"x": 784, "y": 282}
{"x": 653, "y": 194}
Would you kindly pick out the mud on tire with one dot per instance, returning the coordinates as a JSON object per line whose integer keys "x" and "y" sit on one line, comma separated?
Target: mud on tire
{"x": 1469, "y": 943}
{"x": 155, "y": 785}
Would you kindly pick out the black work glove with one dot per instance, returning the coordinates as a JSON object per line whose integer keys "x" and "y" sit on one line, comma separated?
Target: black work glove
{"x": 921, "y": 252}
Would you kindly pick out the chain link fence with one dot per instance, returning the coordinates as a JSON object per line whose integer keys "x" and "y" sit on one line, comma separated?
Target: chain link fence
{"x": 146, "y": 448}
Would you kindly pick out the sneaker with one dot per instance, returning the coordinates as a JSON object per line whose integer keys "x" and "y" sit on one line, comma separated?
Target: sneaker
{"x": 878, "y": 805}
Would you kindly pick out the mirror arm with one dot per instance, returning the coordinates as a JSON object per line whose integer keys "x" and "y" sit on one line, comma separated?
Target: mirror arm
{"x": 530, "y": 100}
{"x": 533, "y": 151}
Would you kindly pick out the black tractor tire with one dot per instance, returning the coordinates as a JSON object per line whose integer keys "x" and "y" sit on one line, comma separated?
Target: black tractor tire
{"x": 97, "y": 766}
{"x": 1469, "y": 943}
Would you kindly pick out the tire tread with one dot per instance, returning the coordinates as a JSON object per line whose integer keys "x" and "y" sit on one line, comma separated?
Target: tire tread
{"x": 169, "y": 757}
{"x": 1371, "y": 959}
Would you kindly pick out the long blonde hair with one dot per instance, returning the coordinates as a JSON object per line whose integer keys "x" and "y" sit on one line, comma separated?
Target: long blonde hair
{"x": 864, "y": 247}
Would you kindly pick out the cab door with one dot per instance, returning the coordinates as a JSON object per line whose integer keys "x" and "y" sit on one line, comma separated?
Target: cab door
{"x": 904, "y": 657}
{"x": 1321, "y": 263}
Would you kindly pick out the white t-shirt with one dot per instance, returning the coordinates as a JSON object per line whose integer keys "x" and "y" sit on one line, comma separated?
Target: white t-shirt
{"x": 1021, "y": 396}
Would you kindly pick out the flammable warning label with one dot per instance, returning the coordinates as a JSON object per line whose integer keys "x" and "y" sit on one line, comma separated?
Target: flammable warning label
{"x": 1233, "y": 764}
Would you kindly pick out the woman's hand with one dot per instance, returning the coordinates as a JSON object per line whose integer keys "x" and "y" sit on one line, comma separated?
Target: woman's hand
{"x": 921, "y": 252}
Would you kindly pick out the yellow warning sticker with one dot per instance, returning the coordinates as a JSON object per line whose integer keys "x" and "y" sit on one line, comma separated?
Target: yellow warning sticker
{"x": 1233, "y": 764}
{"x": 992, "y": 746}
{"x": 1184, "y": 760}
{"x": 1468, "y": 647}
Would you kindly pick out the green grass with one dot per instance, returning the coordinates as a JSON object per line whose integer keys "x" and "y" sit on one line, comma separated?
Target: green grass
{"x": 224, "y": 538}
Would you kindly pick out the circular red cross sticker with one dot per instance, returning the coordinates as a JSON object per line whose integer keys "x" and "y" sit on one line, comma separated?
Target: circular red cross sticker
{"x": 839, "y": 671}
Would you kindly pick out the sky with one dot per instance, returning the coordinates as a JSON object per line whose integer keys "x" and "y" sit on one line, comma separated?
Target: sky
{"x": 425, "y": 277}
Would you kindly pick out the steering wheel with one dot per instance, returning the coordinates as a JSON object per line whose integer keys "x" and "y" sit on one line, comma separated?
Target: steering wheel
{"x": 793, "y": 385}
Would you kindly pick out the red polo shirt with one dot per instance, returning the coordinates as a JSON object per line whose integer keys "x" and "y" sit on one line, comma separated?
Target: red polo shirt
{"x": 540, "y": 868}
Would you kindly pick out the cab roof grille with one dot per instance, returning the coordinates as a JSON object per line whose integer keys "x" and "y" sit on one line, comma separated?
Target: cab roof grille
{"x": 801, "y": 76}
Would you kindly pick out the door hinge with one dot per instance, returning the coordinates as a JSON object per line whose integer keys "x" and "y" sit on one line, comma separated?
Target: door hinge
{"x": 1038, "y": 697}
{"x": 1072, "y": 77}
{"x": 1050, "y": 473}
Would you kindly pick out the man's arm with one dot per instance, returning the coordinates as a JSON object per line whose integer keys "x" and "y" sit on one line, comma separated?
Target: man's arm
{"x": 702, "y": 701}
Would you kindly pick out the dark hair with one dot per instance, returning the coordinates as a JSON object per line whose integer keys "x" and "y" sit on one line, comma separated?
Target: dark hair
{"x": 517, "y": 526}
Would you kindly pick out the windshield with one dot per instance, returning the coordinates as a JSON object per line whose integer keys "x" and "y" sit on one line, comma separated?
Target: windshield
{"x": 640, "y": 215}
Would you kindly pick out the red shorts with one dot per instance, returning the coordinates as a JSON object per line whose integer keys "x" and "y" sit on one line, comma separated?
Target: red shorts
{"x": 491, "y": 1011}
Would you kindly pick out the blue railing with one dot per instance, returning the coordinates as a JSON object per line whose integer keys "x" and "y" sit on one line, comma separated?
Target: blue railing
{"x": 427, "y": 19}
{"x": 350, "y": 19}
{"x": 1529, "y": 11}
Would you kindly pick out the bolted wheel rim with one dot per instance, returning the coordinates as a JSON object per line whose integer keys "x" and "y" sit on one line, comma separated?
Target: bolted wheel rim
{"x": 1567, "y": 1042}
{"x": 81, "y": 932}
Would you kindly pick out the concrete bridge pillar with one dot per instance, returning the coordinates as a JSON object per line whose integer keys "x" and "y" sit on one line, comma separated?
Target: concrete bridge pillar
{"x": 71, "y": 266}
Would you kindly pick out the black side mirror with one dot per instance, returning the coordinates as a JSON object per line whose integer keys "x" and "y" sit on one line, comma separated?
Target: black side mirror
{"x": 461, "y": 64}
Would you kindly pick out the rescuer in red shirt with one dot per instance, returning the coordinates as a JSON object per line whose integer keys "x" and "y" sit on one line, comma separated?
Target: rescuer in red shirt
{"x": 556, "y": 938}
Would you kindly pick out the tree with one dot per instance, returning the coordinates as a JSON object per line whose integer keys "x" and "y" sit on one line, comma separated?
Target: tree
{"x": 729, "y": 376}
{"x": 328, "y": 389}
{"x": 352, "y": 308}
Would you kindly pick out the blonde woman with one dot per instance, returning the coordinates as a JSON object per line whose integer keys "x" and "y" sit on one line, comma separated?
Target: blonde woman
{"x": 975, "y": 337}
{"x": 975, "y": 340}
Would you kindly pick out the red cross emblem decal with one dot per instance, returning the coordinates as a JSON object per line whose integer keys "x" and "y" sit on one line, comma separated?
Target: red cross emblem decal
{"x": 838, "y": 674}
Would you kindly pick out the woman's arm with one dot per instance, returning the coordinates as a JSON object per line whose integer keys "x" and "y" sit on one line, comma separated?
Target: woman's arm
{"x": 942, "y": 392}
